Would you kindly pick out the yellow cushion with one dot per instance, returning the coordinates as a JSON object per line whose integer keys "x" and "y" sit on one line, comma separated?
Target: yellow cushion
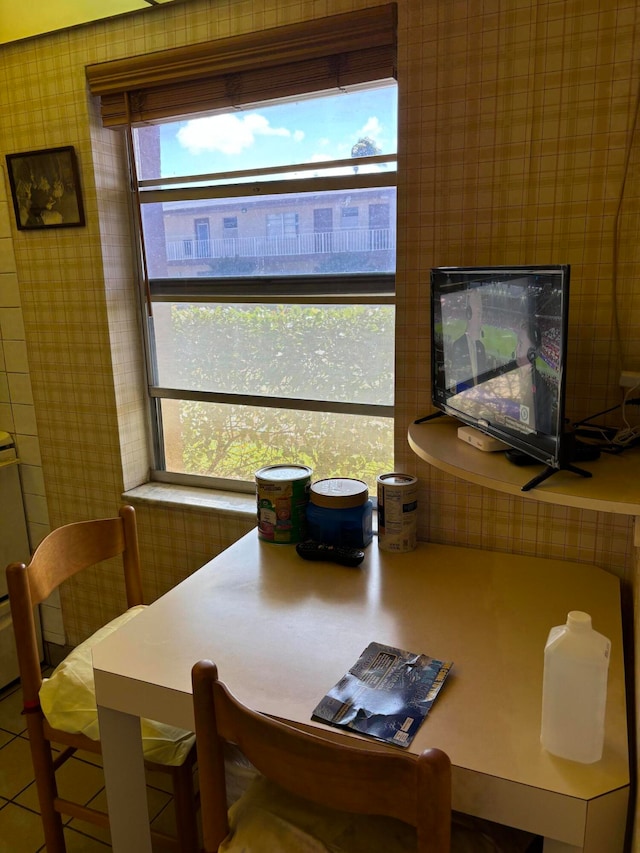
{"x": 68, "y": 701}
{"x": 267, "y": 819}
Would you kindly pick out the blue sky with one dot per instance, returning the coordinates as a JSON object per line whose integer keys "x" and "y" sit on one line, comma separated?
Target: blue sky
{"x": 307, "y": 130}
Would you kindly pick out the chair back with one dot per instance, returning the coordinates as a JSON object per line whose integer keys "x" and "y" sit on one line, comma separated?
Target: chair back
{"x": 64, "y": 552}
{"x": 357, "y": 779}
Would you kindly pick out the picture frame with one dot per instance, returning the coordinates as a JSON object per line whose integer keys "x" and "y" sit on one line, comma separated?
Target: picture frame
{"x": 45, "y": 188}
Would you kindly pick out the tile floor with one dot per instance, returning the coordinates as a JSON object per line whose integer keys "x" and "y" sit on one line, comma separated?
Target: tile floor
{"x": 80, "y": 778}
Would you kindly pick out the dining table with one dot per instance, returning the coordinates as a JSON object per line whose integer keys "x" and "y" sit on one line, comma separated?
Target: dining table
{"x": 283, "y": 631}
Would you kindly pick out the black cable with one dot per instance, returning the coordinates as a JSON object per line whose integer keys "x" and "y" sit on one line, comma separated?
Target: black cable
{"x": 635, "y": 401}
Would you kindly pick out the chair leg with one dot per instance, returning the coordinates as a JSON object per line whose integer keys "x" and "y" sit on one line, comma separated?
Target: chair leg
{"x": 46, "y": 786}
{"x": 185, "y": 806}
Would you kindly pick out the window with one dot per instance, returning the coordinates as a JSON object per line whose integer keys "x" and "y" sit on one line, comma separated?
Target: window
{"x": 270, "y": 304}
{"x": 282, "y": 224}
{"x": 275, "y": 342}
{"x": 203, "y": 233}
{"x": 349, "y": 217}
{"x": 379, "y": 220}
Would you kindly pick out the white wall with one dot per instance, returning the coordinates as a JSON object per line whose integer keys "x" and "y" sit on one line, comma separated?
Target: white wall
{"x": 17, "y": 412}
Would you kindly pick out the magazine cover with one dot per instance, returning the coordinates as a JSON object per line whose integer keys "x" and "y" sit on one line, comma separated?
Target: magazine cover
{"x": 386, "y": 694}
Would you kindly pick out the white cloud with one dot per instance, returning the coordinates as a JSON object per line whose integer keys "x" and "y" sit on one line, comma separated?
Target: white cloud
{"x": 371, "y": 128}
{"x": 229, "y": 134}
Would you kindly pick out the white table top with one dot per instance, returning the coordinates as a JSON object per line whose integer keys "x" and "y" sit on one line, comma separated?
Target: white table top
{"x": 282, "y": 632}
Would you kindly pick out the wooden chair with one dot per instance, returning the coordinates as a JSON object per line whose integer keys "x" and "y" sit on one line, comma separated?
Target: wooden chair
{"x": 413, "y": 789}
{"x": 63, "y": 553}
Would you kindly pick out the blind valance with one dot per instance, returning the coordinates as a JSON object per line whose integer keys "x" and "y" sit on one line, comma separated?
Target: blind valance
{"x": 323, "y": 54}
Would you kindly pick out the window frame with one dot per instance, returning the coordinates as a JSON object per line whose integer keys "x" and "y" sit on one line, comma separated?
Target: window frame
{"x": 328, "y": 289}
{"x": 320, "y": 55}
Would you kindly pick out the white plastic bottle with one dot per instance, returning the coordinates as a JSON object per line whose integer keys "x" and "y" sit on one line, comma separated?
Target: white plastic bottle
{"x": 574, "y": 691}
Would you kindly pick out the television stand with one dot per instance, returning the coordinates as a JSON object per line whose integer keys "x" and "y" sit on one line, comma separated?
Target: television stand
{"x": 426, "y": 418}
{"x": 548, "y": 471}
{"x": 580, "y": 451}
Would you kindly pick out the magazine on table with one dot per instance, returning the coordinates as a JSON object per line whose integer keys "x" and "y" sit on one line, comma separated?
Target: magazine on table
{"x": 386, "y": 694}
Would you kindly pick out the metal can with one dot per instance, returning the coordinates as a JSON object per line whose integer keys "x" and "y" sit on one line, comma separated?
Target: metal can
{"x": 340, "y": 512}
{"x": 282, "y": 493}
{"x": 397, "y": 512}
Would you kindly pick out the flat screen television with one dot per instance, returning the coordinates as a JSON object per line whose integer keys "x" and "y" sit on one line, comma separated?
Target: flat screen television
{"x": 499, "y": 353}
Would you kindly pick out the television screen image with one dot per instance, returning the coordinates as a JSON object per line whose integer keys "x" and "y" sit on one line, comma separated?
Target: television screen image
{"x": 499, "y": 353}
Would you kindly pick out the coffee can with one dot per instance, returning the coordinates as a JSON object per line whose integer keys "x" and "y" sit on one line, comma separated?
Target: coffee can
{"x": 282, "y": 493}
{"x": 397, "y": 512}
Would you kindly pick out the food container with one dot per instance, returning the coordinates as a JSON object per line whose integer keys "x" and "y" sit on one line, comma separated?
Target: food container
{"x": 282, "y": 493}
{"x": 340, "y": 512}
{"x": 397, "y": 512}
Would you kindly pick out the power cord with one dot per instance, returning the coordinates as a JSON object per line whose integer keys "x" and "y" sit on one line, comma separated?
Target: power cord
{"x": 611, "y": 439}
{"x": 630, "y": 434}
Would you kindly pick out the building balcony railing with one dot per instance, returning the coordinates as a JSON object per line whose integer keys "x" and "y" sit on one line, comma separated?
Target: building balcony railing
{"x": 321, "y": 243}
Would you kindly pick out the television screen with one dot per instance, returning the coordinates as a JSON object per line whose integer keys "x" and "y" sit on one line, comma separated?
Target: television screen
{"x": 498, "y": 353}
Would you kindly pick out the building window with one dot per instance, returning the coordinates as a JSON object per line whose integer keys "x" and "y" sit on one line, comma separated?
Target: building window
{"x": 349, "y": 217}
{"x": 379, "y": 219}
{"x": 273, "y": 342}
{"x": 203, "y": 235}
{"x": 282, "y": 224}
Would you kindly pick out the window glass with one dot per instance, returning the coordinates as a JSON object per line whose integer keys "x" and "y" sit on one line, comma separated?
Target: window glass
{"x": 232, "y": 442}
{"x": 269, "y": 237}
{"x": 288, "y": 234}
{"x": 316, "y": 130}
{"x": 316, "y": 352}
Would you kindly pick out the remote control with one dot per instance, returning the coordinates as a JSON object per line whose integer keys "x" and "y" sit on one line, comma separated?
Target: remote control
{"x": 331, "y": 553}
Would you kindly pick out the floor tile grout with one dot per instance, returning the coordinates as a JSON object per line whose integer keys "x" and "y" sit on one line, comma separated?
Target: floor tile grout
{"x": 20, "y": 826}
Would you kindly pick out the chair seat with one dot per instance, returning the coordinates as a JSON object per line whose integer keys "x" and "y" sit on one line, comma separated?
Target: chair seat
{"x": 68, "y": 701}
{"x": 267, "y": 819}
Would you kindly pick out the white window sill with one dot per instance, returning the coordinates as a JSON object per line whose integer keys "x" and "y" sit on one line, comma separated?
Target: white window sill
{"x": 230, "y": 504}
{"x": 165, "y": 495}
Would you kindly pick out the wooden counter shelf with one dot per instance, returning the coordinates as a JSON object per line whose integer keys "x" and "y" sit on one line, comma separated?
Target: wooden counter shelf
{"x": 613, "y": 487}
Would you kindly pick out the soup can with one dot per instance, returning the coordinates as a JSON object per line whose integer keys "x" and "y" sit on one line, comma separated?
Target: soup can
{"x": 397, "y": 512}
{"x": 282, "y": 493}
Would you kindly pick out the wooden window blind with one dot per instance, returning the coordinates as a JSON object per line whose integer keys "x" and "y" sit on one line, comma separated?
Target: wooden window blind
{"x": 321, "y": 55}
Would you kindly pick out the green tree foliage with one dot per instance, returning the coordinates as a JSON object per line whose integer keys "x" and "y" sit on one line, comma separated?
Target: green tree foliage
{"x": 365, "y": 147}
{"x": 316, "y": 352}
{"x": 355, "y": 262}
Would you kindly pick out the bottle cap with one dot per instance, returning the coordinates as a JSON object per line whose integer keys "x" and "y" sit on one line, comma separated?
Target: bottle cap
{"x": 339, "y": 493}
{"x": 579, "y": 621}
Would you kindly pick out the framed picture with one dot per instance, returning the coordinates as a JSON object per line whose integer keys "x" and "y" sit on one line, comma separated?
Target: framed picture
{"x": 45, "y": 187}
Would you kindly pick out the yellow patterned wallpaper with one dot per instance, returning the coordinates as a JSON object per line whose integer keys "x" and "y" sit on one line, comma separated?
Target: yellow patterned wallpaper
{"x": 515, "y": 125}
{"x": 518, "y": 144}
